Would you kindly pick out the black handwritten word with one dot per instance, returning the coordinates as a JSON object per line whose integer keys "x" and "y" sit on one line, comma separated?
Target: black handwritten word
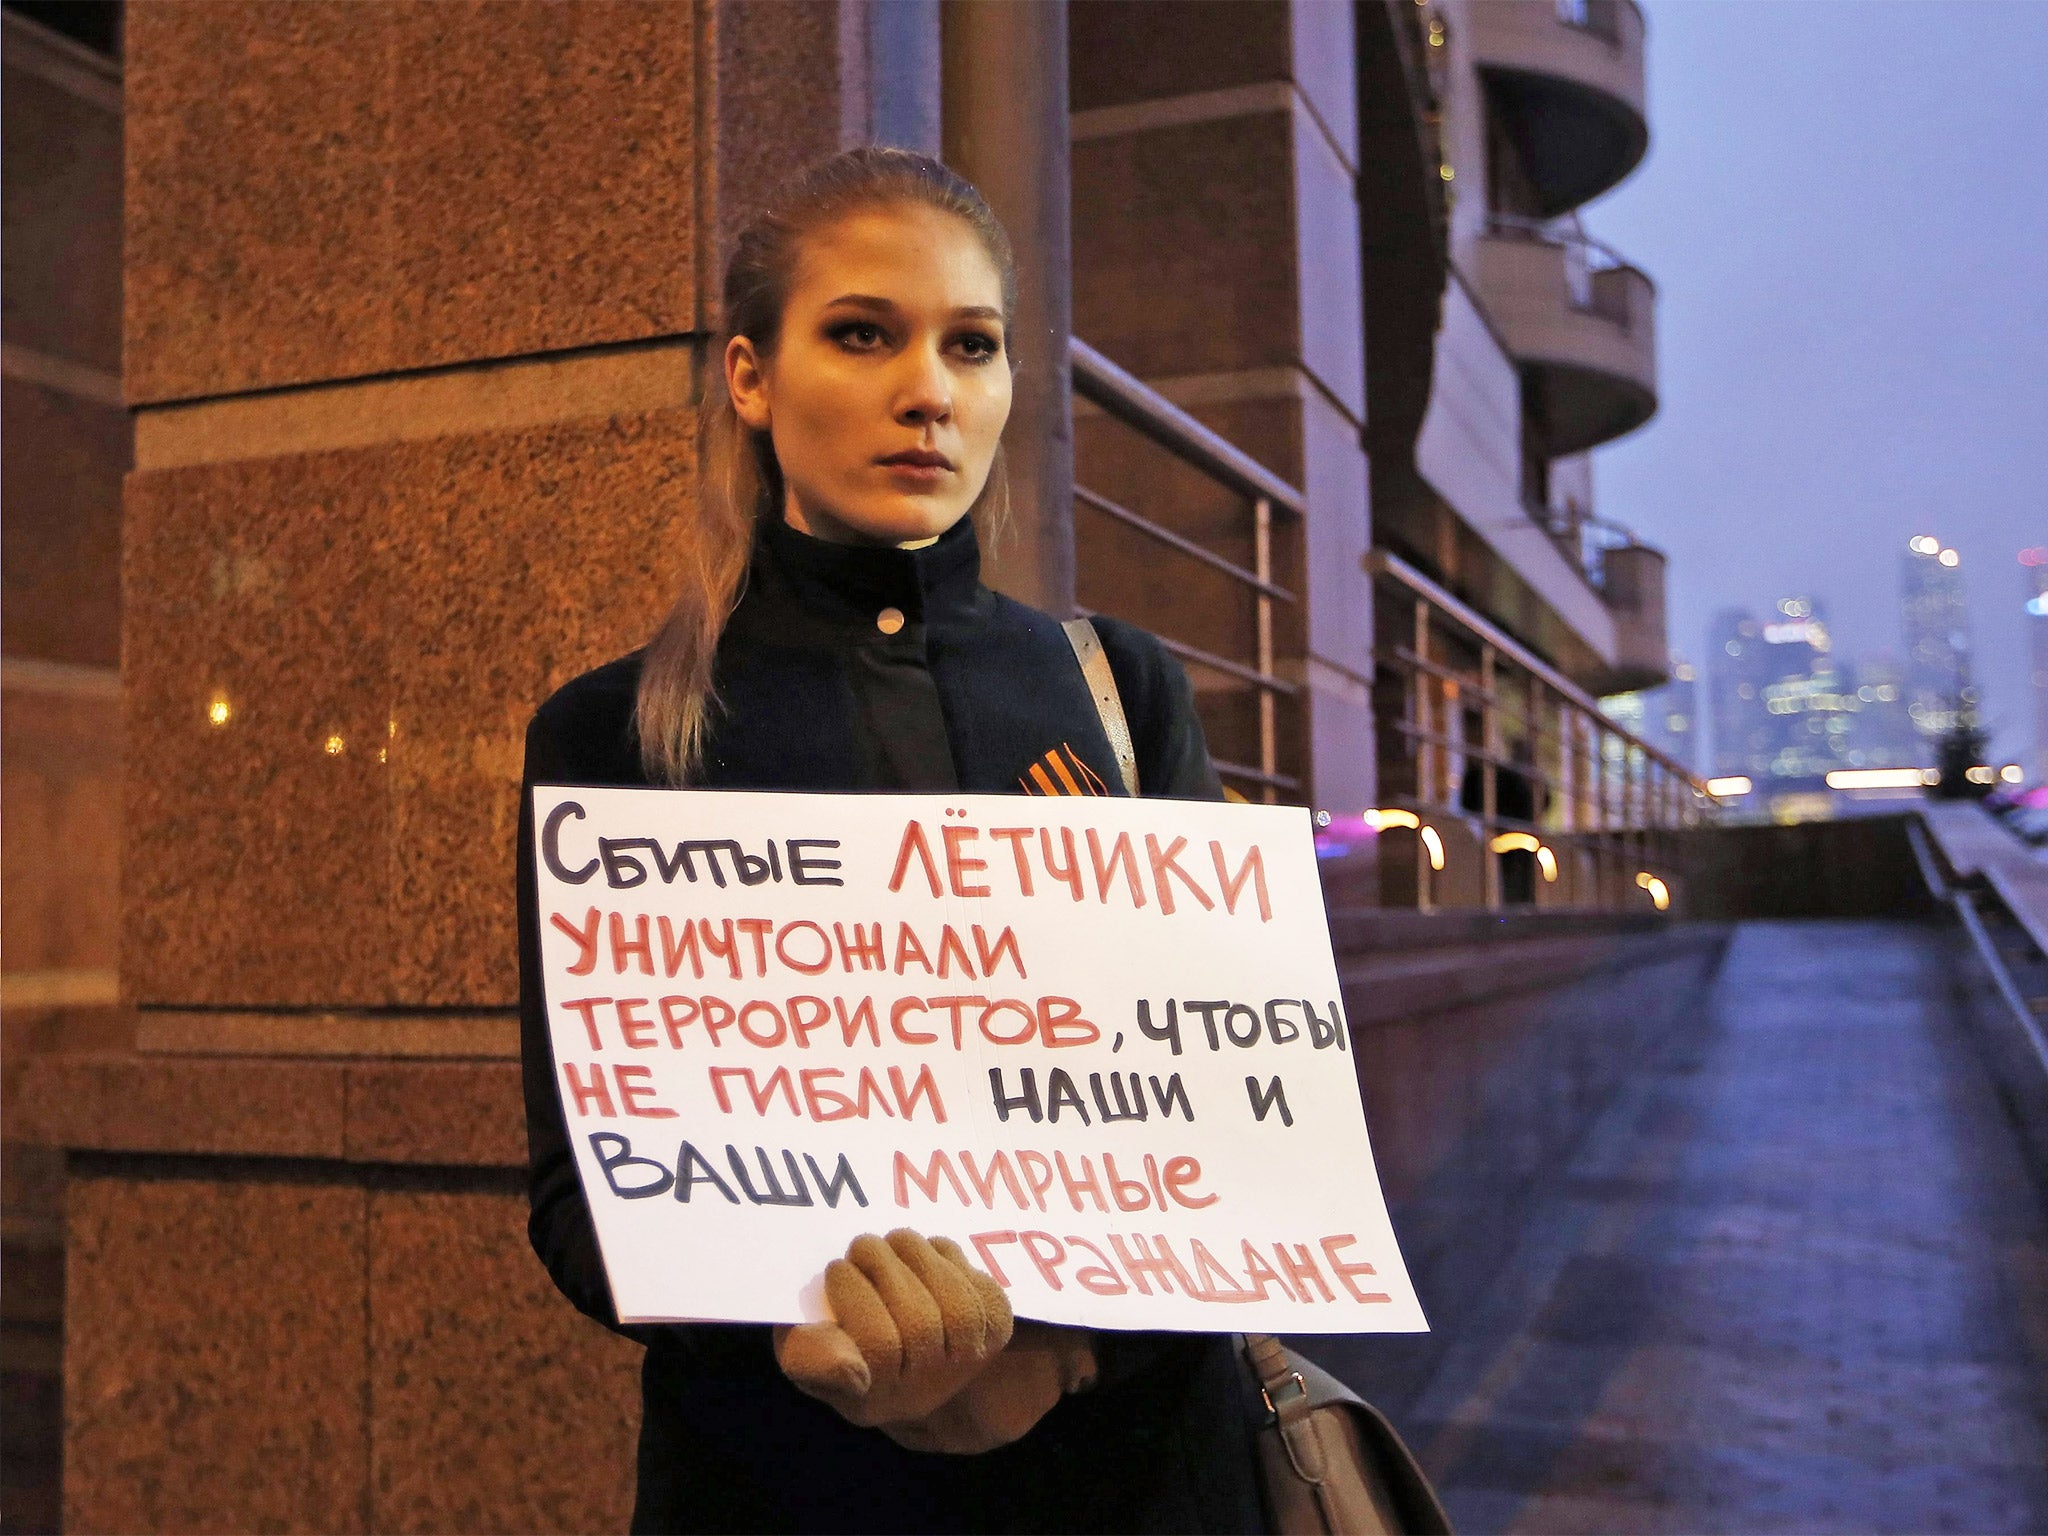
{"x": 743, "y": 946}
{"x": 1143, "y": 1265}
{"x": 1061, "y": 1094}
{"x": 1035, "y": 857}
{"x": 1265, "y": 1100}
{"x": 646, "y": 1177}
{"x": 624, "y": 869}
{"x": 765, "y": 1024}
{"x": 1015, "y": 1173}
{"x": 1244, "y": 1025}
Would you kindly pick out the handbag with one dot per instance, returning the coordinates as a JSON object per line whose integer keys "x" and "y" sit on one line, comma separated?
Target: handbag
{"x": 1330, "y": 1464}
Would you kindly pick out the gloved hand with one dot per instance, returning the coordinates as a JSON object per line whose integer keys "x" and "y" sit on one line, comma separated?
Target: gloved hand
{"x": 914, "y": 1323}
{"x": 1020, "y": 1386}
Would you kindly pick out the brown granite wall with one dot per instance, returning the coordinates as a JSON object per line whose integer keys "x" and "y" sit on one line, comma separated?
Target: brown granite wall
{"x": 414, "y": 296}
{"x": 1216, "y": 256}
{"x": 64, "y": 442}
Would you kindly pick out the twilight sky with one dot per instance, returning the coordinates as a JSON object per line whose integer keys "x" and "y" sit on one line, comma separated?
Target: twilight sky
{"x": 1845, "y": 210}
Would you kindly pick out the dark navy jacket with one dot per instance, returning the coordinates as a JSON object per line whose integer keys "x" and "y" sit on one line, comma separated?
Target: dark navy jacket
{"x": 822, "y": 688}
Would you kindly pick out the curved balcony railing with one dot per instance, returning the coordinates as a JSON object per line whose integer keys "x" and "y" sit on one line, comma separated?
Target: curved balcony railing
{"x": 1568, "y": 77}
{"x": 1579, "y": 321}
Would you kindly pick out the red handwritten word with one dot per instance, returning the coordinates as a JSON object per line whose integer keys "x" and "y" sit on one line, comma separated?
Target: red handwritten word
{"x": 743, "y": 946}
{"x": 587, "y": 1092}
{"x": 1034, "y": 855}
{"x": 767, "y": 1025}
{"x": 822, "y": 1097}
{"x": 1015, "y": 1173}
{"x": 1141, "y": 1265}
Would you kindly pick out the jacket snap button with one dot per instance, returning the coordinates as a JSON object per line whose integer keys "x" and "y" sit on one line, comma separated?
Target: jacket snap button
{"x": 889, "y": 620}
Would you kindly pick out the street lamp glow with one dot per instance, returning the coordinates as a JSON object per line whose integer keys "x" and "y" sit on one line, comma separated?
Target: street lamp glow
{"x": 1728, "y": 788}
{"x": 1435, "y": 847}
{"x": 1949, "y": 557}
{"x": 1923, "y": 545}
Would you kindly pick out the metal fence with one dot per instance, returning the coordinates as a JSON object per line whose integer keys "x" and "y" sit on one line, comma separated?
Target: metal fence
{"x": 1247, "y": 673}
{"x": 1518, "y": 790}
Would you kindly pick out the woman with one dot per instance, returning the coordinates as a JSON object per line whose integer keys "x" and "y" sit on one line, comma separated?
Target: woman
{"x": 833, "y": 635}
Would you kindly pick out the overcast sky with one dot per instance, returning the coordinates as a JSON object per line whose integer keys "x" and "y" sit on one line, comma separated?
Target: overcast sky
{"x": 1845, "y": 210}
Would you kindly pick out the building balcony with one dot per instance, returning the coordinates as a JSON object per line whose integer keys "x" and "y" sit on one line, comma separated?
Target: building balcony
{"x": 1632, "y": 585}
{"x": 1567, "y": 76}
{"x": 1580, "y": 324}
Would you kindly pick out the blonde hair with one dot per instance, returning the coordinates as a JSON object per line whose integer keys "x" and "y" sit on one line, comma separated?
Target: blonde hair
{"x": 739, "y": 480}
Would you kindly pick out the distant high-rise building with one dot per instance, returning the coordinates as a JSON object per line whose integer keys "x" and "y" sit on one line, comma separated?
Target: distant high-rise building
{"x": 2035, "y": 563}
{"x": 1667, "y": 717}
{"x": 1810, "y": 702}
{"x": 1884, "y": 735}
{"x": 1738, "y": 668}
{"x": 1937, "y": 631}
{"x": 1783, "y": 705}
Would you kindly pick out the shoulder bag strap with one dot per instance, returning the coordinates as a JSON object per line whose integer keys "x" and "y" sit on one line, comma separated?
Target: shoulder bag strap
{"x": 1108, "y": 703}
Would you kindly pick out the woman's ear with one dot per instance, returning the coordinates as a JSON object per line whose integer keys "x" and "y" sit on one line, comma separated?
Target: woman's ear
{"x": 746, "y": 383}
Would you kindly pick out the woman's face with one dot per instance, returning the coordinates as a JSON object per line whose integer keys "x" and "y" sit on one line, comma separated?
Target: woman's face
{"x": 892, "y": 345}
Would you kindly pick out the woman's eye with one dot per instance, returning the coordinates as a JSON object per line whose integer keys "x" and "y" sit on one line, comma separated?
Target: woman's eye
{"x": 859, "y": 335}
{"x": 981, "y": 348}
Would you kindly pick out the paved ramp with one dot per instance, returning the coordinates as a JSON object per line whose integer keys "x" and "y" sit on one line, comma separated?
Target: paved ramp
{"x": 1795, "y": 1280}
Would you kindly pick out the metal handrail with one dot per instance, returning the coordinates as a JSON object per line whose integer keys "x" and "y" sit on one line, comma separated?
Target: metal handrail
{"x": 1128, "y": 399}
{"x": 1381, "y": 562}
{"x": 1569, "y": 237}
{"x": 1187, "y": 547}
{"x": 1223, "y": 664}
{"x": 1132, "y": 402}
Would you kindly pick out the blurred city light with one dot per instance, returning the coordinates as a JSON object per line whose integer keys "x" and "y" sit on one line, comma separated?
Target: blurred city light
{"x": 1435, "y": 846}
{"x": 1874, "y": 778}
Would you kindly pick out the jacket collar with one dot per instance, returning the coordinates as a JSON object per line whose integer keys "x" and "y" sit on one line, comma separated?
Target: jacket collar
{"x": 849, "y": 584}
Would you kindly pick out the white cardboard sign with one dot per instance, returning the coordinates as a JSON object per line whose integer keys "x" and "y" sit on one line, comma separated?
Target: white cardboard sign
{"x": 1097, "y": 1041}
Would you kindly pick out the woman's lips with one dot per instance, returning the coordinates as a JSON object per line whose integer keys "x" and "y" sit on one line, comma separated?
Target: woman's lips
{"x": 922, "y": 475}
{"x": 921, "y": 469}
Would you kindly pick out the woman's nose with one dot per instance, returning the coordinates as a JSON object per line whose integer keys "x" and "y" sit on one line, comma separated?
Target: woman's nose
{"x": 927, "y": 392}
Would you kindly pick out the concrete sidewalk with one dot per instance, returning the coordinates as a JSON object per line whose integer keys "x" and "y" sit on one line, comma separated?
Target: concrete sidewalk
{"x": 1796, "y": 1279}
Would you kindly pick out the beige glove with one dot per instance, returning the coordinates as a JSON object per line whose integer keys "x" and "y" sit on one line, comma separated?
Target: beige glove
{"x": 914, "y": 1323}
{"x": 1020, "y": 1386}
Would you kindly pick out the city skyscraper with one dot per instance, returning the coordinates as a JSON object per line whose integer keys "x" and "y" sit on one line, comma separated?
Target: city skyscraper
{"x": 1884, "y": 735}
{"x": 1785, "y": 707}
{"x": 1738, "y": 668}
{"x": 1667, "y": 718}
{"x": 1937, "y": 632}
